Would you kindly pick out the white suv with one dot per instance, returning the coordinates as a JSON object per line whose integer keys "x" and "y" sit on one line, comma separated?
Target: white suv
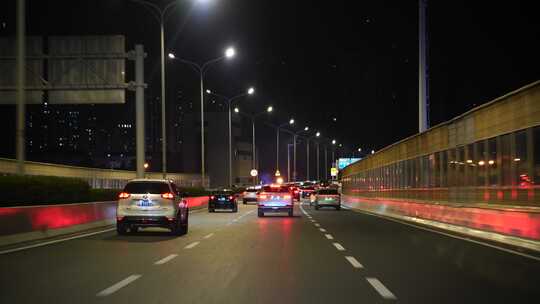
{"x": 151, "y": 203}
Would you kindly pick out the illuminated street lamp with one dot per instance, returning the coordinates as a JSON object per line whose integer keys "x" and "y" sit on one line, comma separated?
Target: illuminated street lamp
{"x": 229, "y": 101}
{"x": 307, "y": 154}
{"x": 201, "y": 70}
{"x": 291, "y": 122}
{"x": 269, "y": 110}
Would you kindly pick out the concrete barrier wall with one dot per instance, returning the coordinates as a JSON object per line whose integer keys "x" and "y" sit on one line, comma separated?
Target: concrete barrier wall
{"x": 22, "y": 224}
{"x": 97, "y": 178}
{"x": 511, "y": 222}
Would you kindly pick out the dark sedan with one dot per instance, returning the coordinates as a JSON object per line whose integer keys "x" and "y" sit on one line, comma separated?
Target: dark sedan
{"x": 224, "y": 200}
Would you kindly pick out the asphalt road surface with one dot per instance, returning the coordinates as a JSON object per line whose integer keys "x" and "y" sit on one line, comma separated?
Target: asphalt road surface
{"x": 323, "y": 256}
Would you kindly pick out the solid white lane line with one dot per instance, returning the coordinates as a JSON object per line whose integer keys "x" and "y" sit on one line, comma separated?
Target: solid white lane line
{"x": 322, "y": 229}
{"x": 55, "y": 241}
{"x": 192, "y": 245}
{"x": 453, "y": 236}
{"x": 117, "y": 286}
{"x": 381, "y": 289}
{"x": 208, "y": 236}
{"x": 354, "y": 262}
{"x": 317, "y": 225}
{"x": 338, "y": 246}
{"x": 329, "y": 236}
{"x": 166, "y": 259}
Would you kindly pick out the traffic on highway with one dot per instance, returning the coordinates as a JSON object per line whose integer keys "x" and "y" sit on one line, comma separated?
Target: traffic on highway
{"x": 269, "y": 152}
{"x": 305, "y": 254}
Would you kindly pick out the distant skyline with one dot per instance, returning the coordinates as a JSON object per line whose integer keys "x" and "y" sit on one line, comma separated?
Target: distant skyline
{"x": 315, "y": 61}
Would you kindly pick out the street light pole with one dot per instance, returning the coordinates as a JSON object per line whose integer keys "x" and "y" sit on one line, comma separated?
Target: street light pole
{"x": 201, "y": 70}
{"x": 291, "y": 121}
{"x": 269, "y": 109}
{"x": 295, "y": 136}
{"x": 161, "y": 14}
{"x": 325, "y": 162}
{"x": 318, "y": 163}
{"x": 163, "y": 112}
{"x": 294, "y": 157}
{"x": 229, "y": 101}
{"x": 307, "y": 159}
{"x": 307, "y": 153}
{"x": 253, "y": 150}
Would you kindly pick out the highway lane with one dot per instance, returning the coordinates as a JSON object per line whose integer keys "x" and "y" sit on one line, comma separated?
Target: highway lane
{"x": 316, "y": 257}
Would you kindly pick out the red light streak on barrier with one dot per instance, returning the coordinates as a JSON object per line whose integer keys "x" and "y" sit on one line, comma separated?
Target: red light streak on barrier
{"x": 197, "y": 201}
{"x": 26, "y": 219}
{"x": 509, "y": 222}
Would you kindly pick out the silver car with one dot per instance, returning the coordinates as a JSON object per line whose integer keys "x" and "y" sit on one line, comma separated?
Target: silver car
{"x": 250, "y": 195}
{"x": 151, "y": 203}
{"x": 326, "y": 198}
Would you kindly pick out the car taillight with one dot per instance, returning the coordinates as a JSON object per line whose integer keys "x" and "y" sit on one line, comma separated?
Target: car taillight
{"x": 262, "y": 196}
{"x": 231, "y": 197}
{"x": 295, "y": 191}
{"x": 287, "y": 197}
{"x": 167, "y": 195}
{"x": 212, "y": 197}
{"x": 123, "y": 195}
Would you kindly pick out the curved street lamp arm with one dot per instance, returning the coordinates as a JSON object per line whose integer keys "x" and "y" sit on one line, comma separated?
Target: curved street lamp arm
{"x": 152, "y": 8}
{"x": 165, "y": 12}
{"x": 206, "y": 65}
{"x": 195, "y": 66}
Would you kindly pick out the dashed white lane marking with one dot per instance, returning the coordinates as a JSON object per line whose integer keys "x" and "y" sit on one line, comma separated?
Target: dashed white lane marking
{"x": 329, "y": 236}
{"x": 354, "y": 262}
{"x": 339, "y": 247}
{"x": 117, "y": 286}
{"x": 381, "y": 289}
{"x": 166, "y": 259}
{"x": 192, "y": 245}
{"x": 208, "y": 236}
{"x": 322, "y": 229}
{"x": 317, "y": 225}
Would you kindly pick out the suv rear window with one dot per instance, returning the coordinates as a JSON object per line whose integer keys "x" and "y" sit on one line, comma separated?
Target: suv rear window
{"x": 146, "y": 187}
{"x": 281, "y": 189}
{"x": 328, "y": 191}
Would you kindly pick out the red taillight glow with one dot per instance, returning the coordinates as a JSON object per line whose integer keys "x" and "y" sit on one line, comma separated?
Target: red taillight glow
{"x": 167, "y": 195}
{"x": 295, "y": 191}
{"x": 123, "y": 195}
{"x": 212, "y": 197}
{"x": 262, "y": 196}
{"x": 231, "y": 197}
{"x": 287, "y": 197}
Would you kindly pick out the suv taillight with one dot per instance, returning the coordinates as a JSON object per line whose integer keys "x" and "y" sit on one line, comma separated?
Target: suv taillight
{"x": 123, "y": 195}
{"x": 231, "y": 197}
{"x": 287, "y": 197}
{"x": 262, "y": 196}
{"x": 167, "y": 195}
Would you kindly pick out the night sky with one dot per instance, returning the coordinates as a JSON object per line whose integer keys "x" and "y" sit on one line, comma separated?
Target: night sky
{"x": 356, "y": 61}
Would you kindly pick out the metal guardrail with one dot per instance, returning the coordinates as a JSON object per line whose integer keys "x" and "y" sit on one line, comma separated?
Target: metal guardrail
{"x": 96, "y": 178}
